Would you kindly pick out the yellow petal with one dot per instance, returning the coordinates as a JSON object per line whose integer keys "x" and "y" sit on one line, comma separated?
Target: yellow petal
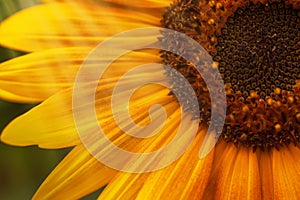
{"x": 36, "y": 76}
{"x": 144, "y": 3}
{"x": 49, "y": 125}
{"x": 76, "y": 176}
{"x": 57, "y": 25}
{"x": 13, "y": 97}
{"x": 132, "y": 3}
{"x": 286, "y": 173}
{"x": 140, "y": 116}
{"x": 70, "y": 174}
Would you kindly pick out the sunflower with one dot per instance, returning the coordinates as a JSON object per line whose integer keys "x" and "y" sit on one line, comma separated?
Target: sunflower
{"x": 255, "y": 46}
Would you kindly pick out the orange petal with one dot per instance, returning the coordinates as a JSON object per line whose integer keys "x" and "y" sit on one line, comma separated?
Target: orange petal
{"x": 57, "y": 25}
{"x": 236, "y": 176}
{"x": 76, "y": 176}
{"x": 184, "y": 179}
{"x": 286, "y": 173}
{"x": 245, "y": 182}
{"x": 225, "y": 156}
{"x": 266, "y": 175}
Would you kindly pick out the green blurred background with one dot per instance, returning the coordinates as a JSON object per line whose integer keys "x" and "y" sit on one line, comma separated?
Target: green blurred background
{"x": 22, "y": 169}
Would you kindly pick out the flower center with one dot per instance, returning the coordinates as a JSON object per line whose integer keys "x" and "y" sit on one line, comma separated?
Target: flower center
{"x": 257, "y": 50}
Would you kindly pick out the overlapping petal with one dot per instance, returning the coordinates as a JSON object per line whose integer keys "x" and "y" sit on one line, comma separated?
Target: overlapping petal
{"x": 56, "y": 25}
{"x": 36, "y": 76}
{"x": 133, "y": 3}
{"x": 286, "y": 173}
{"x": 144, "y": 3}
{"x": 51, "y": 124}
{"x": 226, "y": 173}
{"x": 76, "y": 176}
{"x": 184, "y": 179}
{"x": 266, "y": 174}
{"x": 80, "y": 164}
{"x": 235, "y": 174}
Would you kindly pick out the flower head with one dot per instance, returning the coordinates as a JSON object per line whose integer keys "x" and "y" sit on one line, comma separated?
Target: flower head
{"x": 254, "y": 45}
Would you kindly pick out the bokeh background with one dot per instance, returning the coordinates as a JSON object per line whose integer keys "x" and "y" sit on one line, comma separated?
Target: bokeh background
{"x": 22, "y": 169}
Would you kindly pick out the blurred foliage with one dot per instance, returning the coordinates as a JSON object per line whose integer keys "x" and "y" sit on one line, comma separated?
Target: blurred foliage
{"x": 22, "y": 169}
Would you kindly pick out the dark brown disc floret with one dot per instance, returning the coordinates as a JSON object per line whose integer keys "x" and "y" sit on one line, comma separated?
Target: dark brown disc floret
{"x": 256, "y": 47}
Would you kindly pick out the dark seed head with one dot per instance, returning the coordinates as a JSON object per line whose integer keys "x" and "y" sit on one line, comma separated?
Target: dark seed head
{"x": 257, "y": 50}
